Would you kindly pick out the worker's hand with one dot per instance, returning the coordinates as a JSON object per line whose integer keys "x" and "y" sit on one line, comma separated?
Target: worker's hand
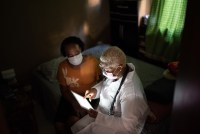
{"x": 92, "y": 113}
{"x": 90, "y": 93}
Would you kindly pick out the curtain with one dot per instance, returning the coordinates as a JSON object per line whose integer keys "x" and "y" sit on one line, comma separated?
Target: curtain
{"x": 164, "y": 30}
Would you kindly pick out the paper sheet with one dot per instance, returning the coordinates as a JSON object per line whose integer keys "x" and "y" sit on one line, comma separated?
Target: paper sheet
{"x": 82, "y": 123}
{"x": 82, "y": 101}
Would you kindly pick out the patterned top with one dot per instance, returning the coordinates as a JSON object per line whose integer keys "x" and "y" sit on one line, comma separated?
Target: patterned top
{"x": 79, "y": 79}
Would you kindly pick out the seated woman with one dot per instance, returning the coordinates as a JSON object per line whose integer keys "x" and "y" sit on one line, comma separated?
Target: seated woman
{"x": 77, "y": 73}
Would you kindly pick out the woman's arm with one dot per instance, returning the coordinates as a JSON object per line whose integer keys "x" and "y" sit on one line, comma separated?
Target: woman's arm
{"x": 69, "y": 97}
{"x": 66, "y": 93}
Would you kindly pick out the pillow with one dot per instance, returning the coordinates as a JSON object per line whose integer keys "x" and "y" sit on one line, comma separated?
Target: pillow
{"x": 97, "y": 50}
{"x": 49, "y": 68}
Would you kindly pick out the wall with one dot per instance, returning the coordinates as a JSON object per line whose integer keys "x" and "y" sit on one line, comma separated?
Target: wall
{"x": 4, "y": 129}
{"x": 144, "y": 7}
{"x": 33, "y": 30}
{"x": 186, "y": 106}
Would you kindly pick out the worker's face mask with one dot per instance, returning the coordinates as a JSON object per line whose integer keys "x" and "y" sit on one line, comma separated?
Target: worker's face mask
{"x": 110, "y": 75}
{"x": 76, "y": 60}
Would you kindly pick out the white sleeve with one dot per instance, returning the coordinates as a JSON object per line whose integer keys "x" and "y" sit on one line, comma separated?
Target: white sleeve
{"x": 98, "y": 87}
{"x": 132, "y": 117}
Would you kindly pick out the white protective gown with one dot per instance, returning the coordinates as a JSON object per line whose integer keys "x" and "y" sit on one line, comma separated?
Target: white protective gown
{"x": 130, "y": 108}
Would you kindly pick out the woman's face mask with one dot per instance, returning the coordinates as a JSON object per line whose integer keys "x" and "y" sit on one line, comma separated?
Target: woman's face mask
{"x": 76, "y": 60}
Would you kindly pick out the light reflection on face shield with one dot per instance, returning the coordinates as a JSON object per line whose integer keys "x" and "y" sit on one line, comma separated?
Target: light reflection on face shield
{"x": 108, "y": 71}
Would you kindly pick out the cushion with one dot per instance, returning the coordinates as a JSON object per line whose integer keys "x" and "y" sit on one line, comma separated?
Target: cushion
{"x": 97, "y": 50}
{"x": 49, "y": 68}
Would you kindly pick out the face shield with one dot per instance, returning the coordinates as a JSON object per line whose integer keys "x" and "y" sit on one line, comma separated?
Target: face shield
{"x": 108, "y": 71}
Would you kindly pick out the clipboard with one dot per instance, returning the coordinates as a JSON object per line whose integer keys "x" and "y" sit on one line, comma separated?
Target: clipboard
{"x": 84, "y": 103}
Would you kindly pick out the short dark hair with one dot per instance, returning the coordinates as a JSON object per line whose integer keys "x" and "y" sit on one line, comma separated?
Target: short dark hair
{"x": 71, "y": 40}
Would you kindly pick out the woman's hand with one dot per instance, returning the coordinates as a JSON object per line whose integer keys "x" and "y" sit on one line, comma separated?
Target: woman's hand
{"x": 90, "y": 93}
{"x": 80, "y": 112}
{"x": 92, "y": 113}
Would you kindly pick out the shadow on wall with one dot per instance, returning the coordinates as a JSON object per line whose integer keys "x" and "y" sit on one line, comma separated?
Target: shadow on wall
{"x": 33, "y": 30}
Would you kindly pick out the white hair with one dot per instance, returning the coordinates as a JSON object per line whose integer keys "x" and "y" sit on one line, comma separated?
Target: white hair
{"x": 113, "y": 57}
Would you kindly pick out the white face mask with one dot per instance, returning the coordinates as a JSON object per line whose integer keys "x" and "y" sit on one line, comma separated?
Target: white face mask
{"x": 109, "y": 75}
{"x": 76, "y": 60}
